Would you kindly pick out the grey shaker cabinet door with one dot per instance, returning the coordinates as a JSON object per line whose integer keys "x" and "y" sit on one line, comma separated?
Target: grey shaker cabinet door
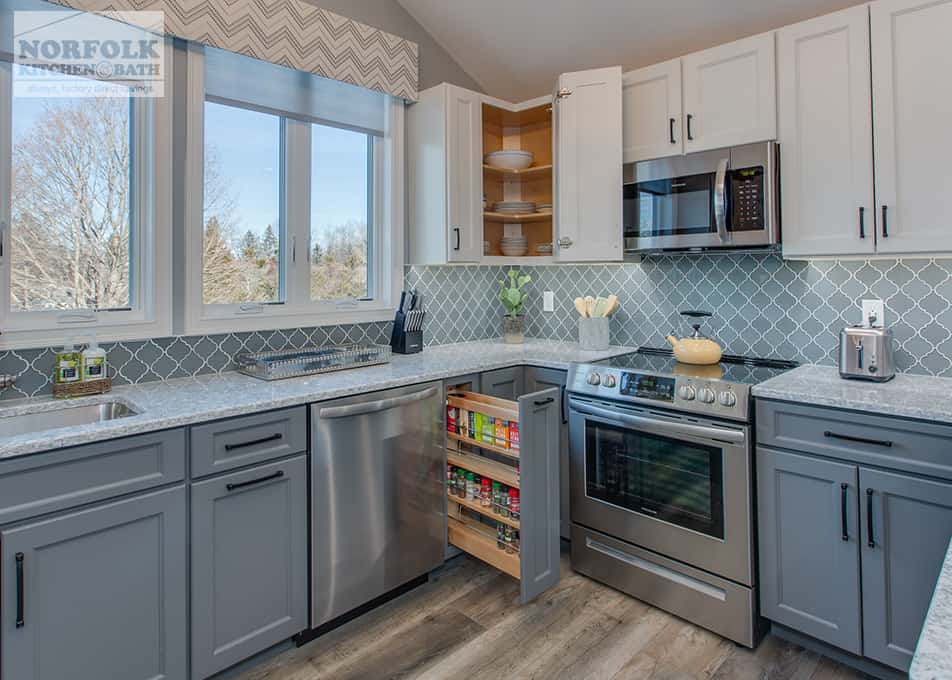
{"x": 505, "y": 383}
{"x": 809, "y": 573}
{"x": 540, "y": 379}
{"x": 249, "y": 563}
{"x": 102, "y": 593}
{"x": 910, "y": 530}
{"x": 539, "y": 497}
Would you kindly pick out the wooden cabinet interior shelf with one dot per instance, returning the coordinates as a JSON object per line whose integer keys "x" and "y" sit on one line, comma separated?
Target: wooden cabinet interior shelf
{"x": 495, "y": 448}
{"x": 479, "y": 541}
{"x": 484, "y": 467}
{"x": 485, "y": 512}
{"x": 533, "y": 171}
{"x": 517, "y": 218}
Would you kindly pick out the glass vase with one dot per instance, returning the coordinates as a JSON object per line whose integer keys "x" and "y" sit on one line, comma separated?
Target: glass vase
{"x": 513, "y": 329}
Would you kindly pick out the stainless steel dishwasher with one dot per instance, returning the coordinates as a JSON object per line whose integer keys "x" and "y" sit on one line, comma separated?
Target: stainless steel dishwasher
{"x": 378, "y": 506}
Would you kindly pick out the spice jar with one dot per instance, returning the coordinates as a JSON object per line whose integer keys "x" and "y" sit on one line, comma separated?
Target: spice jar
{"x": 501, "y": 536}
{"x": 507, "y": 535}
{"x": 514, "y": 503}
{"x": 460, "y": 483}
{"x": 450, "y": 481}
{"x": 494, "y": 498}
{"x": 470, "y": 486}
{"x": 504, "y": 502}
{"x": 485, "y": 498}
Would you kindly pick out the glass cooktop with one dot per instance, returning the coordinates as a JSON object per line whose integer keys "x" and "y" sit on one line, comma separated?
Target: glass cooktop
{"x": 735, "y": 369}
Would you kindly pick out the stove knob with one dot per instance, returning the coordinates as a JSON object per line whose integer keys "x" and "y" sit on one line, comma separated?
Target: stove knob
{"x": 609, "y": 380}
{"x": 727, "y": 399}
{"x": 594, "y": 379}
{"x": 686, "y": 392}
{"x": 705, "y": 395}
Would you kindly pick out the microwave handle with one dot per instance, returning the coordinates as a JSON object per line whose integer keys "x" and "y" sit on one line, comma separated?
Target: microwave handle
{"x": 720, "y": 199}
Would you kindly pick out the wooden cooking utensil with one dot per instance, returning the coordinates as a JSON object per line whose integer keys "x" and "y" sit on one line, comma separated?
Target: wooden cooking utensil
{"x": 580, "y": 307}
{"x": 589, "y": 306}
{"x": 611, "y": 305}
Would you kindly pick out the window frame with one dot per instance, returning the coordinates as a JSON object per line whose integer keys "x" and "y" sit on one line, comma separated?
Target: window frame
{"x": 385, "y": 257}
{"x": 150, "y": 313}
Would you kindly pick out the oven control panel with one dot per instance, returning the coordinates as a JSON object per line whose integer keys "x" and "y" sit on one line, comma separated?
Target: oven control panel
{"x": 647, "y": 386}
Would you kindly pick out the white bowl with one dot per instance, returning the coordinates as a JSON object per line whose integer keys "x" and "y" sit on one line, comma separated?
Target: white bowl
{"x": 509, "y": 160}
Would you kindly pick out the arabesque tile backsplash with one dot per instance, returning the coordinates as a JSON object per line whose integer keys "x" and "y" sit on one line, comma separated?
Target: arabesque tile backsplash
{"x": 762, "y": 305}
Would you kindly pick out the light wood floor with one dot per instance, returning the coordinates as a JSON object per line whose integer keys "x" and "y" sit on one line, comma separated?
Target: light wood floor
{"x": 466, "y": 624}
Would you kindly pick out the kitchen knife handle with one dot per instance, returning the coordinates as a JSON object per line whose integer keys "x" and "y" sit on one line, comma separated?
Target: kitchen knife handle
{"x": 671, "y": 122}
{"x": 870, "y": 541}
{"x": 862, "y": 222}
{"x": 843, "y": 512}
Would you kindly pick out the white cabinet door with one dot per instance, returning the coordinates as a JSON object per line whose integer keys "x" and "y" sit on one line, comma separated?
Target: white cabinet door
{"x": 826, "y": 135}
{"x": 588, "y": 160}
{"x": 464, "y": 175}
{"x": 730, "y": 94}
{"x": 651, "y": 112}
{"x": 912, "y": 107}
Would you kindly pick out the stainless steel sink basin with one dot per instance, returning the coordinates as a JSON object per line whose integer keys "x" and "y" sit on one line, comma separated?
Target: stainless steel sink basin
{"x": 45, "y": 418}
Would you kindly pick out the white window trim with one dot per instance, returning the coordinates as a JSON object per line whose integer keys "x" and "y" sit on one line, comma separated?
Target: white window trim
{"x": 151, "y": 315}
{"x": 197, "y": 318}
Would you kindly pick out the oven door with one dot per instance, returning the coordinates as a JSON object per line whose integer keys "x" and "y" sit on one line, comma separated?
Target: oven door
{"x": 679, "y": 486}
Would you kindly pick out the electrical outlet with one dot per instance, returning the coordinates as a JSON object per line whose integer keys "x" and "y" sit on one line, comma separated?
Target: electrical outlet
{"x": 548, "y": 301}
{"x": 875, "y": 309}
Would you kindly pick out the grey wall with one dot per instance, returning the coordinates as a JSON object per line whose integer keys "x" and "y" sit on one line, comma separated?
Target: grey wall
{"x": 436, "y": 65}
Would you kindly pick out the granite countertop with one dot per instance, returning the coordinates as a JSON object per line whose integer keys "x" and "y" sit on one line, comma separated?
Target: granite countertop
{"x": 185, "y": 401}
{"x": 933, "y": 659}
{"x": 909, "y": 396}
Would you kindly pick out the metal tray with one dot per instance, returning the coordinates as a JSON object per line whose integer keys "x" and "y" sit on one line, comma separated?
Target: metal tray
{"x": 292, "y": 363}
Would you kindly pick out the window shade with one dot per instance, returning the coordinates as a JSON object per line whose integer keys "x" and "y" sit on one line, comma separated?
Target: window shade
{"x": 270, "y": 87}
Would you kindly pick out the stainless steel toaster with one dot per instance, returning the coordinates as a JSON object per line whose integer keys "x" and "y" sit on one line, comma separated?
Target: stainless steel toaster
{"x": 867, "y": 354}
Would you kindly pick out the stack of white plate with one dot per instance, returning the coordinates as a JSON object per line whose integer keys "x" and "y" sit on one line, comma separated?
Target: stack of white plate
{"x": 514, "y": 207}
{"x": 514, "y": 246}
{"x": 543, "y": 206}
{"x": 543, "y": 249}
{"x": 509, "y": 160}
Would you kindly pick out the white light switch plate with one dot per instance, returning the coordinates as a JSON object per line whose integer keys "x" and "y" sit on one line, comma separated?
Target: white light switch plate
{"x": 548, "y": 301}
{"x": 877, "y": 308}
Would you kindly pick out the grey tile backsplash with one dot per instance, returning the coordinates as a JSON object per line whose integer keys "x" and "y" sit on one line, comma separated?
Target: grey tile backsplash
{"x": 762, "y": 305}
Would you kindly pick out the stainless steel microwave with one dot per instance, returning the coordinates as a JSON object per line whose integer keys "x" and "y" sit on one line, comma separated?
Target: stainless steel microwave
{"x": 727, "y": 198}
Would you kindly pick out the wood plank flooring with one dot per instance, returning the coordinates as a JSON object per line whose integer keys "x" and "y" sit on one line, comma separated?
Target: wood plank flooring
{"x": 467, "y": 622}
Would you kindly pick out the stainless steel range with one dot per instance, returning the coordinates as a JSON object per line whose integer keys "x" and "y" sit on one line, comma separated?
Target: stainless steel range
{"x": 661, "y": 472}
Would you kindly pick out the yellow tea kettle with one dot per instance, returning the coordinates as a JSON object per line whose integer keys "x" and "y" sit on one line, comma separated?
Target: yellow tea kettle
{"x": 696, "y": 349}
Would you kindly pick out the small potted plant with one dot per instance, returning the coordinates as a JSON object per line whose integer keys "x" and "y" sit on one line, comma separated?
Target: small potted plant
{"x": 513, "y": 298}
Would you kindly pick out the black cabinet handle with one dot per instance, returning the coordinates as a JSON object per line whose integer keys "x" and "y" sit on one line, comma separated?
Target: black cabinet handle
{"x": 690, "y": 134}
{"x": 862, "y": 222}
{"x": 671, "y": 122}
{"x": 240, "y": 485}
{"x": 562, "y": 405}
{"x": 543, "y": 402}
{"x": 861, "y": 440}
{"x": 19, "y": 560}
{"x": 459, "y": 241}
{"x": 885, "y": 228}
{"x": 869, "y": 519}
{"x": 843, "y": 517}
{"x": 253, "y": 442}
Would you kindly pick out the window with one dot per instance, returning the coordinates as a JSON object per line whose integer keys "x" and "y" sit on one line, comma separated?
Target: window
{"x": 300, "y": 213}
{"x": 82, "y": 188}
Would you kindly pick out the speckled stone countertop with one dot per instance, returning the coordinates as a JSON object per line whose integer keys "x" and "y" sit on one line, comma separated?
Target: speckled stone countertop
{"x": 909, "y": 396}
{"x": 933, "y": 658}
{"x": 163, "y": 405}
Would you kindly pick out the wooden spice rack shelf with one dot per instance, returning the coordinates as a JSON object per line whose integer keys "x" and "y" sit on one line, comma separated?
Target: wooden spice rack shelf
{"x": 484, "y": 467}
{"x": 479, "y": 541}
{"x": 495, "y": 448}
{"x": 476, "y": 507}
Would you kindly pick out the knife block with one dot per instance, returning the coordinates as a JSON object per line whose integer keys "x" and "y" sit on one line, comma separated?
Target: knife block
{"x": 403, "y": 341}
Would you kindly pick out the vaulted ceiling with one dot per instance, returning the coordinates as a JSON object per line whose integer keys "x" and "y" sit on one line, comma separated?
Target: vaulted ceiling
{"x": 515, "y": 48}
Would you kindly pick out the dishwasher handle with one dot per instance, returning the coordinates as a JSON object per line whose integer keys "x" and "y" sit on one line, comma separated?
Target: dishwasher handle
{"x": 360, "y": 409}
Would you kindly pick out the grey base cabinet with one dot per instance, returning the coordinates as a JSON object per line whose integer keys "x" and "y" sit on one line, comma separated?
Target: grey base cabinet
{"x": 538, "y": 379}
{"x": 505, "y": 383}
{"x": 809, "y": 546}
{"x": 907, "y": 522}
{"x": 249, "y": 563}
{"x": 97, "y": 593}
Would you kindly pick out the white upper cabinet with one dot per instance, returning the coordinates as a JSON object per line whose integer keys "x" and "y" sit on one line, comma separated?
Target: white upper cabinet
{"x": 826, "y": 135}
{"x": 912, "y": 107}
{"x": 444, "y": 130}
{"x": 730, "y": 94}
{"x": 651, "y": 102}
{"x": 588, "y": 165}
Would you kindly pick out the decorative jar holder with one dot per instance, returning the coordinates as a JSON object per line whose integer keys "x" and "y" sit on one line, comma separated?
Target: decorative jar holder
{"x": 593, "y": 333}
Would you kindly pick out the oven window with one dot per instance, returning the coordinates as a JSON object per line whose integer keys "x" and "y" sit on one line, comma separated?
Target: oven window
{"x": 669, "y": 207}
{"x": 672, "y": 480}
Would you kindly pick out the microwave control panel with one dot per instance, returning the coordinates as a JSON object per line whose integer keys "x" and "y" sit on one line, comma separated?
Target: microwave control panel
{"x": 747, "y": 199}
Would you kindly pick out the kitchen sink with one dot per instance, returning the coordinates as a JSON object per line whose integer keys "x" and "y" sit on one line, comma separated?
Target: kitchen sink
{"x": 46, "y": 418}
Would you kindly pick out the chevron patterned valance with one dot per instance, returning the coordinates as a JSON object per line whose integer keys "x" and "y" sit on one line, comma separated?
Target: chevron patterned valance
{"x": 291, "y": 33}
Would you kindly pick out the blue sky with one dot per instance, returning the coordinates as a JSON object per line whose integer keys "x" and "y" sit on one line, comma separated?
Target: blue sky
{"x": 246, "y": 144}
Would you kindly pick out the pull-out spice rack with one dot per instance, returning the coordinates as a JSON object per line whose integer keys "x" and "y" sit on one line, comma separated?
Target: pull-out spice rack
{"x": 521, "y": 454}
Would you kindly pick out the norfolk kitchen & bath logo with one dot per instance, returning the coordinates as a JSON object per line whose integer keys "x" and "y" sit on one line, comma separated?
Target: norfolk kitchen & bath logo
{"x": 88, "y": 54}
